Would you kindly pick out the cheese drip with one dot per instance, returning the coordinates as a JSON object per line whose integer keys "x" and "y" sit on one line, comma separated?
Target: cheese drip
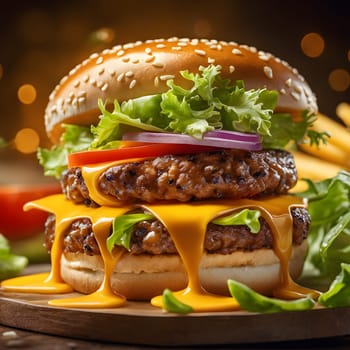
{"x": 186, "y": 223}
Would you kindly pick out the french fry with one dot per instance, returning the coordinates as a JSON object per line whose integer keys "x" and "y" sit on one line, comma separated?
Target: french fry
{"x": 340, "y": 136}
{"x": 314, "y": 168}
{"x": 343, "y": 112}
{"x": 330, "y": 153}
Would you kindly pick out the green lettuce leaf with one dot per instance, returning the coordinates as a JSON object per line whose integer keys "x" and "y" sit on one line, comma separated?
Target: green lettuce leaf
{"x": 329, "y": 236}
{"x": 172, "y": 304}
{"x": 74, "y": 139}
{"x": 252, "y": 301}
{"x": 338, "y": 294}
{"x": 210, "y": 103}
{"x": 122, "y": 229}
{"x": 284, "y": 129}
{"x": 246, "y": 217}
{"x": 10, "y": 264}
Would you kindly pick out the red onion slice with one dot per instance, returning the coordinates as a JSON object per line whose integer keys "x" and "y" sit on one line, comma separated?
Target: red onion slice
{"x": 218, "y": 138}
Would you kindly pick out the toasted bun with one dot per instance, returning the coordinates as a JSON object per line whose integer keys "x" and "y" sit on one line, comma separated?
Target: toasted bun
{"x": 140, "y": 277}
{"x": 142, "y": 68}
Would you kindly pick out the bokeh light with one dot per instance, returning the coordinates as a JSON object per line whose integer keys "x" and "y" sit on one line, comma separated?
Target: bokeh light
{"x": 339, "y": 79}
{"x": 103, "y": 35}
{"x": 312, "y": 45}
{"x": 26, "y": 93}
{"x": 27, "y": 140}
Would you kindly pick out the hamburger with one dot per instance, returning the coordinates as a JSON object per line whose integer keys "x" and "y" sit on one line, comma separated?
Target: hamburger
{"x": 171, "y": 155}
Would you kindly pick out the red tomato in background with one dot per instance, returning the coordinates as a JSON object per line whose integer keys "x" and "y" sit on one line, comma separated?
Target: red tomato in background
{"x": 16, "y": 223}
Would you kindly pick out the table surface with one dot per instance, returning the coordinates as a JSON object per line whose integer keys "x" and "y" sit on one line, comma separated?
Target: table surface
{"x": 11, "y": 338}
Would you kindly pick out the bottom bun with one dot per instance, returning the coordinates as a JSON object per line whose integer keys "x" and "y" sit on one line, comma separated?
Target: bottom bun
{"x": 141, "y": 277}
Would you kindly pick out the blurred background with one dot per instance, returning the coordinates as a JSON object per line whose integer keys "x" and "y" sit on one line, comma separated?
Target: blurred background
{"x": 42, "y": 40}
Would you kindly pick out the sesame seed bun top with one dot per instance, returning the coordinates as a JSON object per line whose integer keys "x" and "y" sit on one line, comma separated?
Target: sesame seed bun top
{"x": 142, "y": 68}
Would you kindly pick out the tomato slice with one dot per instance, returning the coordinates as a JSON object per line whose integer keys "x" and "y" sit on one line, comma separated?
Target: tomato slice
{"x": 16, "y": 223}
{"x": 138, "y": 151}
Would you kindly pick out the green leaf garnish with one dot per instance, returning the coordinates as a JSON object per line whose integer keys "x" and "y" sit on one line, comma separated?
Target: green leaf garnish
{"x": 246, "y": 217}
{"x": 122, "y": 229}
{"x": 329, "y": 236}
{"x": 74, "y": 139}
{"x": 172, "y": 304}
{"x": 252, "y": 301}
{"x": 10, "y": 264}
{"x": 338, "y": 294}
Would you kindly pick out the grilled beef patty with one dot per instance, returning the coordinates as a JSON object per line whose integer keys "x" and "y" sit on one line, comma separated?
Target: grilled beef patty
{"x": 221, "y": 174}
{"x": 151, "y": 237}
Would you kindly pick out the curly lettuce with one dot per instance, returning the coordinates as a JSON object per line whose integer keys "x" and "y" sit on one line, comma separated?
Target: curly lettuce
{"x": 210, "y": 103}
{"x": 329, "y": 236}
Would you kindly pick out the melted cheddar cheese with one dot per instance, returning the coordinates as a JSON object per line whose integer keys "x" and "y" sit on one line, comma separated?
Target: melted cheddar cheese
{"x": 186, "y": 224}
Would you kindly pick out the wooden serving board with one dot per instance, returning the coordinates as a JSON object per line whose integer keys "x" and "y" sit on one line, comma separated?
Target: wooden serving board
{"x": 140, "y": 323}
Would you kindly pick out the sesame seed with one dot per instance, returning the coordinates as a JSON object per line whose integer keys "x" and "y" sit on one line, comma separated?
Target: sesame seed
{"x": 200, "y": 52}
{"x": 149, "y": 58}
{"x": 71, "y": 95}
{"x": 288, "y": 82}
{"x": 263, "y": 56}
{"x": 53, "y": 109}
{"x": 135, "y": 60}
{"x": 120, "y": 77}
{"x": 129, "y": 46}
{"x": 214, "y": 47}
{"x": 116, "y": 48}
{"x": 295, "y": 71}
{"x": 111, "y": 72}
{"x": 129, "y": 74}
{"x": 75, "y": 102}
{"x": 60, "y": 102}
{"x": 236, "y": 51}
{"x": 176, "y": 48}
{"x": 63, "y": 80}
{"x": 182, "y": 43}
{"x": 76, "y": 84}
{"x": 194, "y": 42}
{"x": 233, "y": 43}
{"x": 120, "y": 53}
{"x": 99, "y": 60}
{"x": 148, "y": 51}
{"x": 68, "y": 100}
{"x": 211, "y": 60}
{"x": 160, "y": 46}
{"x": 298, "y": 89}
{"x": 232, "y": 69}
{"x": 82, "y": 94}
{"x": 160, "y": 40}
{"x": 132, "y": 84}
{"x": 283, "y": 91}
{"x": 278, "y": 60}
{"x": 92, "y": 82}
{"x": 81, "y": 99}
{"x": 295, "y": 95}
{"x": 167, "y": 77}
{"x": 101, "y": 71}
{"x": 104, "y": 87}
{"x": 100, "y": 84}
{"x": 268, "y": 72}
{"x": 156, "y": 81}
{"x": 85, "y": 78}
{"x": 126, "y": 59}
{"x": 219, "y": 47}
{"x": 185, "y": 40}
{"x": 106, "y": 51}
{"x": 94, "y": 55}
{"x": 158, "y": 64}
